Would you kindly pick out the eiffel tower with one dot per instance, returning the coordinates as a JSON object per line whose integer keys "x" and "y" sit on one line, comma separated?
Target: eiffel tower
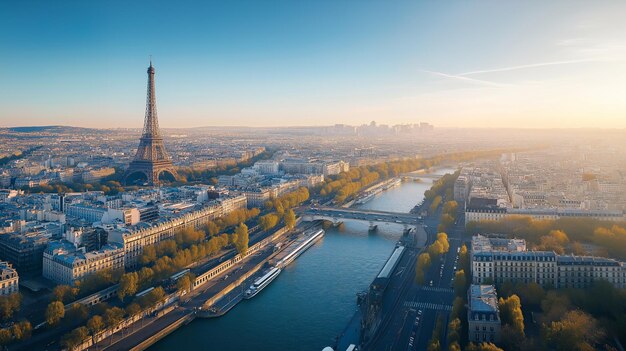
{"x": 151, "y": 159}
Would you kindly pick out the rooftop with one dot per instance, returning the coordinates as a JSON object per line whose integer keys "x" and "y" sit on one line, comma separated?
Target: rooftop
{"x": 483, "y": 298}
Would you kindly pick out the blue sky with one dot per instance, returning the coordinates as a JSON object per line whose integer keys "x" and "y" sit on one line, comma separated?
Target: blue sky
{"x": 271, "y": 63}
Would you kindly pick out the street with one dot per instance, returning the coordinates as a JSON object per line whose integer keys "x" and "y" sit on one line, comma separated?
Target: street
{"x": 404, "y": 298}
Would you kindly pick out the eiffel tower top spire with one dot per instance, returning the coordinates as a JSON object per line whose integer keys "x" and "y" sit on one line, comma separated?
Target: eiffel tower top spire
{"x": 151, "y": 121}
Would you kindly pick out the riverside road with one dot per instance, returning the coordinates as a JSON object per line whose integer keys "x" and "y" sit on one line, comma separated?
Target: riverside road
{"x": 404, "y": 298}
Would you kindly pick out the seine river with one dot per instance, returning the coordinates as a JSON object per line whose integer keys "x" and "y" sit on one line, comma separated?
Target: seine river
{"x": 313, "y": 299}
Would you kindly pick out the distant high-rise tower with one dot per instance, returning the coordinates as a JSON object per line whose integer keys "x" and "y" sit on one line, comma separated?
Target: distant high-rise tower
{"x": 151, "y": 159}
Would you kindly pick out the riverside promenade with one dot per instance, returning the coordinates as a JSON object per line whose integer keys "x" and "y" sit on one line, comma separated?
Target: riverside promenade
{"x": 196, "y": 304}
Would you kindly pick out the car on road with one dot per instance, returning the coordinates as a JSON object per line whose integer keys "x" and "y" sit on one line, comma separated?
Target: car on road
{"x": 431, "y": 283}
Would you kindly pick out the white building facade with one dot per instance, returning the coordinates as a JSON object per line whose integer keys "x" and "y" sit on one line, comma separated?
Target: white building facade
{"x": 9, "y": 279}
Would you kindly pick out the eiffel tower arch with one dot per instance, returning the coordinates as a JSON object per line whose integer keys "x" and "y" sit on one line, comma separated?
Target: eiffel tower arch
{"x": 151, "y": 160}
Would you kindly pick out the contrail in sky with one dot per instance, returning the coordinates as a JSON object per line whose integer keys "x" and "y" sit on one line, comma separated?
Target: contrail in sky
{"x": 532, "y": 65}
{"x": 467, "y": 79}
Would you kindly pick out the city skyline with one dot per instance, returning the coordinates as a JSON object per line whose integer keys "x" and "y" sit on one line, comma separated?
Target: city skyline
{"x": 227, "y": 65}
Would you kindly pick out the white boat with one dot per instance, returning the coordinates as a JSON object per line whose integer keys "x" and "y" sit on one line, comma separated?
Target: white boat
{"x": 365, "y": 199}
{"x": 393, "y": 183}
{"x": 300, "y": 246}
{"x": 261, "y": 283}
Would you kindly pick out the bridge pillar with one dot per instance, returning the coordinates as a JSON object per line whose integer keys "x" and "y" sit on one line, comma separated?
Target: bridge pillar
{"x": 373, "y": 226}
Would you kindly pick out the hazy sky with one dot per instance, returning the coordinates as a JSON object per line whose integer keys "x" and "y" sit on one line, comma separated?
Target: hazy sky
{"x": 269, "y": 63}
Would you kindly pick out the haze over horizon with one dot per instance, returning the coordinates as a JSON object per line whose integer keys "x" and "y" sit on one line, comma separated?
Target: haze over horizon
{"x": 480, "y": 64}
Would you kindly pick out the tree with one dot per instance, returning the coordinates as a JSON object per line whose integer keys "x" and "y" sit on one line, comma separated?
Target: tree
{"x": 576, "y": 331}
{"x": 457, "y": 307}
{"x": 95, "y": 324}
{"x": 21, "y": 330}
{"x": 113, "y": 316}
{"x": 78, "y": 312}
{"x": 145, "y": 276}
{"x": 460, "y": 283}
{"x": 511, "y": 313}
{"x": 183, "y": 284}
{"x": 75, "y": 338}
{"x": 550, "y": 243}
{"x": 9, "y": 305}
{"x": 450, "y": 207}
{"x": 554, "y": 306}
{"x": 511, "y": 339}
{"x": 290, "y": 219}
{"x": 148, "y": 255}
{"x": 64, "y": 293}
{"x": 454, "y": 332}
{"x": 435, "y": 249}
{"x": 485, "y": 346}
{"x": 99, "y": 280}
{"x": 464, "y": 261}
{"x": 133, "y": 309}
{"x": 128, "y": 285}
{"x": 446, "y": 221}
{"x": 443, "y": 239}
{"x": 268, "y": 221}
{"x": 531, "y": 294}
{"x": 5, "y": 336}
{"x": 212, "y": 229}
{"x": 578, "y": 249}
{"x": 152, "y": 298}
{"x": 434, "y": 345}
{"x": 241, "y": 244}
{"x": 423, "y": 262}
{"x": 559, "y": 236}
{"x": 436, "y": 202}
{"x": 55, "y": 312}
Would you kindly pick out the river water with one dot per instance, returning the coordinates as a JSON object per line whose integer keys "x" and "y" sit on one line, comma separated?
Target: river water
{"x": 313, "y": 299}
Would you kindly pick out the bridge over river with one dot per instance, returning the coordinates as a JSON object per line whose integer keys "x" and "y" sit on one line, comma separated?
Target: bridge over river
{"x": 335, "y": 214}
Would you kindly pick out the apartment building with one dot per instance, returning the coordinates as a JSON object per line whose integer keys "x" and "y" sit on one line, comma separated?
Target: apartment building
{"x": 63, "y": 263}
{"x": 496, "y": 260}
{"x": 483, "y": 315}
{"x": 495, "y": 213}
{"x": 9, "y": 279}
{"x": 24, "y": 251}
